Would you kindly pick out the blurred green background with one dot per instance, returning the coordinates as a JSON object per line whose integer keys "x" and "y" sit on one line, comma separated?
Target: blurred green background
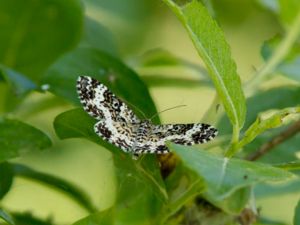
{"x": 131, "y": 30}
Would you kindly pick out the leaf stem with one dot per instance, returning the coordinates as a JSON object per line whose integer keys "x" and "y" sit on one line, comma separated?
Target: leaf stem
{"x": 233, "y": 148}
{"x": 280, "y": 53}
{"x": 295, "y": 165}
{"x": 174, "y": 206}
{"x": 283, "y": 136}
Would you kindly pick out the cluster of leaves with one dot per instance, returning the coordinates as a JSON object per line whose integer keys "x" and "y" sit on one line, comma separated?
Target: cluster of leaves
{"x": 145, "y": 197}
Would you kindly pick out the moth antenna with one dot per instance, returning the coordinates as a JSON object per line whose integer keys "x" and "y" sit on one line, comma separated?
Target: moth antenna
{"x": 156, "y": 114}
{"x": 133, "y": 106}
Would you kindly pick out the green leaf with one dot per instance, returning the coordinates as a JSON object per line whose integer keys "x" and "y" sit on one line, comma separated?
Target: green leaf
{"x": 18, "y": 137}
{"x": 274, "y": 98}
{"x": 35, "y": 32}
{"x": 65, "y": 187}
{"x": 100, "y": 218}
{"x": 20, "y": 84}
{"x": 289, "y": 10}
{"x": 161, "y": 57}
{"x": 28, "y": 219}
{"x": 19, "y": 87}
{"x": 234, "y": 203}
{"x": 265, "y": 122}
{"x": 124, "y": 82}
{"x": 267, "y": 221}
{"x": 283, "y": 153}
{"x": 286, "y": 10}
{"x": 295, "y": 165}
{"x": 6, "y": 175}
{"x": 139, "y": 181}
{"x": 225, "y": 177}
{"x": 271, "y": 189}
{"x": 182, "y": 187}
{"x": 97, "y": 36}
{"x": 6, "y": 217}
{"x": 289, "y": 66}
{"x": 297, "y": 214}
{"x": 140, "y": 184}
{"x": 271, "y": 5}
{"x": 165, "y": 81}
{"x": 129, "y": 22}
{"x": 137, "y": 203}
{"x": 281, "y": 52}
{"x": 153, "y": 65}
{"x": 211, "y": 45}
{"x": 77, "y": 123}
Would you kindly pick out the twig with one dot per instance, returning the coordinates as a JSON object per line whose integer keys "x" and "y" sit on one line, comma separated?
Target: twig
{"x": 283, "y": 136}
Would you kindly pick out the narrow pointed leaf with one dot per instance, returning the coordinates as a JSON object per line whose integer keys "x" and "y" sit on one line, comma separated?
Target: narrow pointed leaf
{"x": 261, "y": 124}
{"x": 211, "y": 45}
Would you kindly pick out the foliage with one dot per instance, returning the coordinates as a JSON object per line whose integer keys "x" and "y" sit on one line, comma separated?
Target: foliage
{"x": 46, "y": 44}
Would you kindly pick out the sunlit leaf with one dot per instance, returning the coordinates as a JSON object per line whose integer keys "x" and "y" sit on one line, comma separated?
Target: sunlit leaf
{"x": 263, "y": 123}
{"x": 225, "y": 177}
{"x": 289, "y": 10}
{"x": 274, "y": 98}
{"x": 211, "y": 45}
{"x": 35, "y": 32}
{"x": 18, "y": 137}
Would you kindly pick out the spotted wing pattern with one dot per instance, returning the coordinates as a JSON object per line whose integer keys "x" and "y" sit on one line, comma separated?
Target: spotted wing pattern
{"x": 120, "y": 134}
{"x": 99, "y": 102}
{"x": 183, "y": 134}
{"x": 121, "y": 127}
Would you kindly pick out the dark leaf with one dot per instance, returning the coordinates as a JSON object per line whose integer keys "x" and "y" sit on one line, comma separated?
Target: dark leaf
{"x": 6, "y": 178}
{"x": 35, "y": 32}
{"x": 139, "y": 182}
{"x": 7, "y": 217}
{"x": 17, "y": 137}
{"x": 97, "y": 36}
{"x": 120, "y": 79}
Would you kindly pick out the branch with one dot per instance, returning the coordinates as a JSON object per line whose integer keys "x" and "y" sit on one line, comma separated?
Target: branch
{"x": 283, "y": 136}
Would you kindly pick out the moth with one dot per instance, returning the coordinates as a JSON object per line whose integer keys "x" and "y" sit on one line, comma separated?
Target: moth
{"x": 119, "y": 125}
